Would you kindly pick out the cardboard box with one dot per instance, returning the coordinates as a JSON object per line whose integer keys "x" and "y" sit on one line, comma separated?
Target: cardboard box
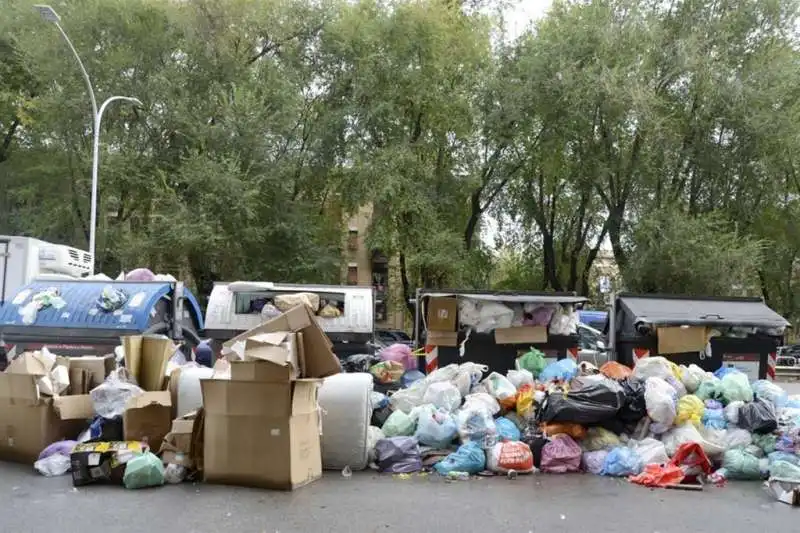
{"x": 442, "y": 313}
{"x": 176, "y": 447}
{"x": 148, "y": 418}
{"x": 521, "y": 335}
{"x": 442, "y": 338}
{"x": 261, "y": 434}
{"x": 279, "y": 347}
{"x": 315, "y": 356}
{"x": 101, "y": 462}
{"x": 97, "y": 367}
{"x": 146, "y": 358}
{"x": 672, "y": 340}
{"x": 29, "y": 423}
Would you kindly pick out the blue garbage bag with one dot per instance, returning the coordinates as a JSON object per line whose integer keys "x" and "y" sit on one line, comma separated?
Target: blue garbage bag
{"x": 436, "y": 427}
{"x": 622, "y": 461}
{"x": 469, "y": 458}
{"x": 410, "y": 377}
{"x": 506, "y": 429}
{"x": 565, "y": 369}
{"x": 714, "y": 415}
{"x": 723, "y": 371}
{"x": 784, "y": 456}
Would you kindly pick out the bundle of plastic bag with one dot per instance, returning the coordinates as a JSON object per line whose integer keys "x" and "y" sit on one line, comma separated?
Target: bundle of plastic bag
{"x": 564, "y": 321}
{"x": 652, "y": 367}
{"x": 493, "y": 315}
{"x": 469, "y": 458}
{"x": 506, "y": 429}
{"x": 736, "y": 387}
{"x": 592, "y": 462}
{"x": 502, "y": 389}
{"x": 561, "y": 455}
{"x": 145, "y": 470}
{"x": 475, "y": 424}
{"x": 661, "y": 401}
{"x": 771, "y": 392}
{"x": 521, "y": 377}
{"x": 650, "y": 451}
{"x": 598, "y": 438}
{"x": 443, "y": 395}
{"x": 740, "y": 464}
{"x": 399, "y": 424}
{"x": 710, "y": 389}
{"x": 533, "y": 361}
{"x": 435, "y": 427}
{"x": 690, "y": 409}
{"x": 564, "y": 369}
{"x": 692, "y": 376}
{"x": 504, "y": 457}
{"x": 622, "y": 461}
{"x": 407, "y": 399}
{"x": 714, "y": 415}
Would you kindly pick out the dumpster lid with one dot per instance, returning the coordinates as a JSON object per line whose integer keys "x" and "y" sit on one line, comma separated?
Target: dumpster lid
{"x": 668, "y": 310}
{"x": 510, "y": 296}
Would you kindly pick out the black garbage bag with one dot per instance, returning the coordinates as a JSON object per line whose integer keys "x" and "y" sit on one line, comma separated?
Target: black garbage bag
{"x": 592, "y": 404}
{"x": 535, "y": 440}
{"x": 758, "y": 416}
{"x": 633, "y": 408}
{"x": 360, "y": 362}
{"x": 380, "y": 415}
{"x": 399, "y": 455}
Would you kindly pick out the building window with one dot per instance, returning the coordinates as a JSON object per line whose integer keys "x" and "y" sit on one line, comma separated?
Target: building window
{"x": 352, "y": 275}
{"x": 380, "y": 311}
{"x": 352, "y": 240}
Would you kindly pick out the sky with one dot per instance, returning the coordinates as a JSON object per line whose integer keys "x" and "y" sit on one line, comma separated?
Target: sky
{"x": 525, "y": 11}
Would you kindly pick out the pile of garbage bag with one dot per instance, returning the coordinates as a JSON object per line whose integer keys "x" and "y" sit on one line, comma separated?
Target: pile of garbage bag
{"x": 657, "y": 424}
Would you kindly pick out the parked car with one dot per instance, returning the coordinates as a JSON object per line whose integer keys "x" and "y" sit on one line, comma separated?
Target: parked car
{"x": 592, "y": 345}
{"x": 387, "y": 337}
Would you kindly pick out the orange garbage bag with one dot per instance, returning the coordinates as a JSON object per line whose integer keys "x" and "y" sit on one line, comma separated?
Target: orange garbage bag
{"x": 656, "y": 475}
{"x": 576, "y": 431}
{"x": 615, "y": 370}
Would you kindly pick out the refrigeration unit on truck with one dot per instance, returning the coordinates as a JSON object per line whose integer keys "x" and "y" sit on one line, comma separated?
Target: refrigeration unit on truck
{"x": 494, "y": 328}
{"x": 710, "y": 332}
{"x": 345, "y": 313}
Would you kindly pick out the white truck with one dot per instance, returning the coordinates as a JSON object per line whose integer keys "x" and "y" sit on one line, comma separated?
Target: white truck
{"x": 24, "y": 259}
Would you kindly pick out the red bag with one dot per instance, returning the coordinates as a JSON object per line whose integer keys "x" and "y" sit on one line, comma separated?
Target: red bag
{"x": 510, "y": 455}
{"x": 655, "y": 475}
{"x": 692, "y": 460}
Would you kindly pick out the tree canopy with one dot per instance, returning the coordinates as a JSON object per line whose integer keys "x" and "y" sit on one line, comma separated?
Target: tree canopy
{"x": 666, "y": 131}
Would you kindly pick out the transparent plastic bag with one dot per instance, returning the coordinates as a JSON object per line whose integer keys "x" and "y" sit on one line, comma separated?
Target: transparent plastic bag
{"x": 598, "y": 438}
{"x": 652, "y": 367}
{"x": 661, "y": 401}
{"x": 476, "y": 424}
{"x": 771, "y": 392}
{"x": 506, "y": 429}
{"x": 622, "y": 461}
{"x": 564, "y": 369}
{"x": 502, "y": 389}
{"x": 736, "y": 387}
{"x": 673, "y": 438}
{"x": 592, "y": 462}
{"x": 53, "y": 465}
{"x": 483, "y": 400}
{"x": 435, "y": 427}
{"x": 175, "y": 473}
{"x": 407, "y": 399}
{"x": 399, "y": 424}
{"x": 732, "y": 412}
{"x": 518, "y": 378}
{"x": 443, "y": 395}
{"x": 374, "y": 434}
{"x": 145, "y": 470}
{"x": 469, "y": 458}
{"x": 737, "y": 438}
{"x": 691, "y": 377}
{"x": 561, "y": 455}
{"x": 110, "y": 398}
{"x": 650, "y": 451}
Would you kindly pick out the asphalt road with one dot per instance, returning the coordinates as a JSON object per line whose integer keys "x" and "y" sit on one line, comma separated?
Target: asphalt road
{"x": 370, "y": 502}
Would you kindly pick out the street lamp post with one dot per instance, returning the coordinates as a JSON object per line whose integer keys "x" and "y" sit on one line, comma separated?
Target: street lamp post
{"x": 50, "y": 15}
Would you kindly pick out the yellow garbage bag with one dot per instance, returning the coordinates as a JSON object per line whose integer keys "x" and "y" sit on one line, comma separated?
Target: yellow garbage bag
{"x": 690, "y": 409}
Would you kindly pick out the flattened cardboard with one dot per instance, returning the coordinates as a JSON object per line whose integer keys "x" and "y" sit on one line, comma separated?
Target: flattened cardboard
{"x": 133, "y": 354}
{"x": 317, "y": 359}
{"x": 672, "y": 340}
{"x": 156, "y": 353}
{"x": 148, "y": 417}
{"x": 521, "y": 335}
{"x": 442, "y": 313}
{"x": 79, "y": 381}
{"x": 261, "y": 434}
{"x": 442, "y": 338}
{"x": 98, "y": 367}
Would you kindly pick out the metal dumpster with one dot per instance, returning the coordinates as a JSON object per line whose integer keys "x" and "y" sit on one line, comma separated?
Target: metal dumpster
{"x": 82, "y": 328}
{"x": 741, "y": 332}
{"x": 483, "y": 348}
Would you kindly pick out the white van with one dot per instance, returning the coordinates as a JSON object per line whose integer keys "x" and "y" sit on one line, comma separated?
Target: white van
{"x": 234, "y": 308}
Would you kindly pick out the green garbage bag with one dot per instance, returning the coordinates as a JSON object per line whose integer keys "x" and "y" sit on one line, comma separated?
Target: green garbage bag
{"x": 399, "y": 424}
{"x": 142, "y": 471}
{"x": 736, "y": 387}
{"x": 533, "y": 361}
{"x": 710, "y": 389}
{"x": 765, "y": 442}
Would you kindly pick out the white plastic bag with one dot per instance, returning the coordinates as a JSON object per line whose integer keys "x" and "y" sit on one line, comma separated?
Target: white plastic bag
{"x": 475, "y": 424}
{"x": 54, "y": 465}
{"x": 494, "y": 315}
{"x": 673, "y": 438}
{"x": 435, "y": 427}
{"x": 732, "y": 412}
{"x": 518, "y": 378}
{"x": 407, "y": 399}
{"x": 652, "y": 367}
{"x": 374, "y": 434}
{"x": 468, "y": 312}
{"x": 737, "y": 438}
{"x": 692, "y": 376}
{"x": 650, "y": 450}
{"x": 443, "y": 395}
{"x": 661, "y": 401}
{"x": 482, "y": 400}
{"x": 110, "y": 398}
{"x": 469, "y": 374}
{"x": 175, "y": 473}
{"x": 445, "y": 373}
{"x": 501, "y": 389}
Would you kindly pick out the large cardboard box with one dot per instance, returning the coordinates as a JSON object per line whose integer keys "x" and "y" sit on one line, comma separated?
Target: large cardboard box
{"x": 686, "y": 339}
{"x": 98, "y": 367}
{"x": 442, "y": 313}
{"x": 146, "y": 358}
{"x": 521, "y": 335}
{"x": 29, "y": 423}
{"x": 148, "y": 418}
{"x": 315, "y": 358}
{"x": 261, "y": 434}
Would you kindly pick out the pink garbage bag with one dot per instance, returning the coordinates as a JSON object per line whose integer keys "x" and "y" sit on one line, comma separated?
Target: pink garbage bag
{"x": 140, "y": 274}
{"x": 561, "y": 455}
{"x": 400, "y": 353}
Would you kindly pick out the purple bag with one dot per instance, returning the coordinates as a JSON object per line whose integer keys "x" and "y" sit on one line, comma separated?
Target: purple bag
{"x": 63, "y": 447}
{"x": 561, "y": 455}
{"x": 400, "y": 353}
{"x": 399, "y": 455}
